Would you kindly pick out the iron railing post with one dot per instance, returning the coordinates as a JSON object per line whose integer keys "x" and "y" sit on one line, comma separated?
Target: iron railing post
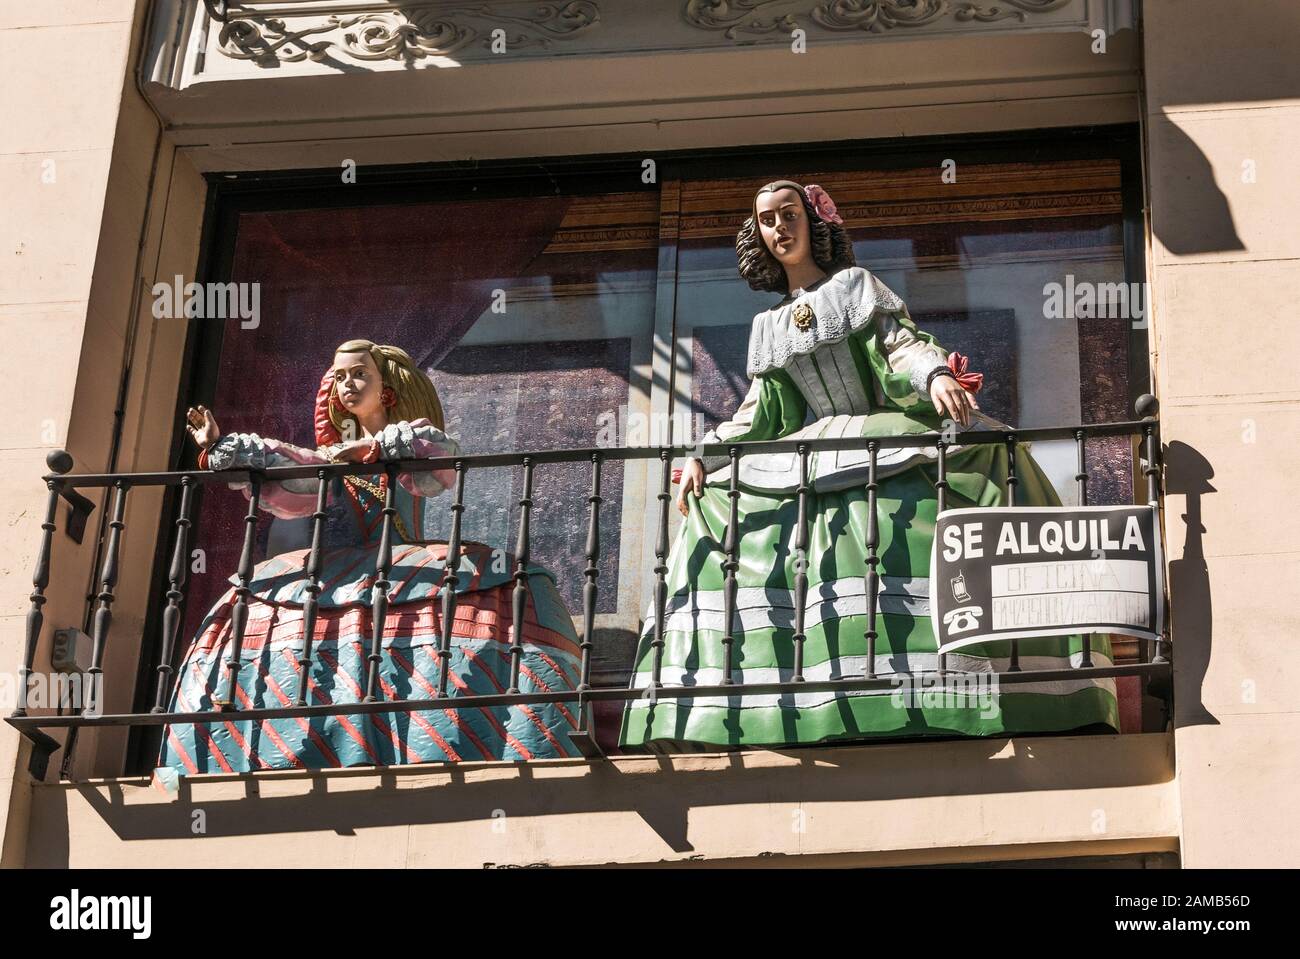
{"x": 1081, "y": 483}
{"x": 177, "y": 575}
{"x": 941, "y": 504}
{"x": 801, "y": 564}
{"x": 1012, "y": 482}
{"x": 661, "y": 570}
{"x": 379, "y": 592}
{"x": 523, "y": 550}
{"x": 239, "y": 612}
{"x": 311, "y": 604}
{"x": 730, "y": 564}
{"x": 451, "y": 580}
{"x": 873, "y": 557}
{"x": 59, "y": 462}
{"x": 584, "y": 735}
{"x": 104, "y": 612}
{"x": 1148, "y": 407}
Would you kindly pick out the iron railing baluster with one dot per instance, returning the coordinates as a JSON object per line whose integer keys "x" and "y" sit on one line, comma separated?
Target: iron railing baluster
{"x": 1081, "y": 483}
{"x": 379, "y": 592}
{"x": 589, "y": 588}
{"x": 239, "y": 612}
{"x": 801, "y": 564}
{"x": 520, "y": 599}
{"x": 941, "y": 491}
{"x": 311, "y": 605}
{"x": 584, "y": 736}
{"x": 661, "y": 570}
{"x": 873, "y": 557}
{"x": 1012, "y": 482}
{"x": 40, "y": 580}
{"x": 450, "y": 581}
{"x": 177, "y": 575}
{"x": 730, "y": 564}
{"x": 104, "y": 613}
{"x": 1146, "y": 407}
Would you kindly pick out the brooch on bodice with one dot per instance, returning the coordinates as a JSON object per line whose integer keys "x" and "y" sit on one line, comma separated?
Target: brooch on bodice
{"x": 804, "y": 316}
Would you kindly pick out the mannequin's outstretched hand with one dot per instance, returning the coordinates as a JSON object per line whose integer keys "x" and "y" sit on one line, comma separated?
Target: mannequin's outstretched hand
{"x": 202, "y": 426}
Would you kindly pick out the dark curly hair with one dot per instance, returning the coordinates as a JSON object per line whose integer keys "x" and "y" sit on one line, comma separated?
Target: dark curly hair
{"x": 832, "y": 250}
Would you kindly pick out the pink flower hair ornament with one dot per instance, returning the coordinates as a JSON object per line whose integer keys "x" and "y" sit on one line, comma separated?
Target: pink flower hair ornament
{"x": 821, "y": 202}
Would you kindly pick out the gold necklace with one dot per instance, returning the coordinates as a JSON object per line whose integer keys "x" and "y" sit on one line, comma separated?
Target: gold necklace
{"x": 378, "y": 492}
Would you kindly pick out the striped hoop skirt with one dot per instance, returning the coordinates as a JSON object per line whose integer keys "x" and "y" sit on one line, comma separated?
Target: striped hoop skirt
{"x": 836, "y": 623}
{"x": 409, "y": 669}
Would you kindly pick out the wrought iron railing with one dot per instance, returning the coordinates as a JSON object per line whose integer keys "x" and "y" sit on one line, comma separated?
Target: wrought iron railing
{"x": 1153, "y": 654}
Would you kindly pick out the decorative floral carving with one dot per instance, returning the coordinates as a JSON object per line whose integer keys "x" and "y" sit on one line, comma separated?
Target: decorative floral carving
{"x": 386, "y": 36}
{"x": 411, "y": 33}
{"x": 986, "y": 13}
{"x": 737, "y": 17}
{"x": 877, "y": 15}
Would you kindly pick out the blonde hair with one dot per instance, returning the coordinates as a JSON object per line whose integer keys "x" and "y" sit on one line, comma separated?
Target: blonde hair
{"x": 416, "y": 396}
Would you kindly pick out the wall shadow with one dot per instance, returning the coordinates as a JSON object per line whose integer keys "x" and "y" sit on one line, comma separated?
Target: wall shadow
{"x": 663, "y": 791}
{"x": 1191, "y": 612}
{"x": 1211, "y": 229}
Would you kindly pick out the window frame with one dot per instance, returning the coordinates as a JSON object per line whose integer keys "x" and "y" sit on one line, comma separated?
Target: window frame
{"x": 232, "y": 194}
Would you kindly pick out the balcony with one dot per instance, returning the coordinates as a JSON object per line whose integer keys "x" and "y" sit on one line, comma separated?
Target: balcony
{"x": 1152, "y": 665}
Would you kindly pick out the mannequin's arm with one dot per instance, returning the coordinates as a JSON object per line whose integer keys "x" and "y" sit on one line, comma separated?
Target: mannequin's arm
{"x": 418, "y": 439}
{"x": 286, "y": 499}
{"x": 772, "y": 408}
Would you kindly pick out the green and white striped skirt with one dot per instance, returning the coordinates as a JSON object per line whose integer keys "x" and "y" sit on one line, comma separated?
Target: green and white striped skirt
{"x": 971, "y": 703}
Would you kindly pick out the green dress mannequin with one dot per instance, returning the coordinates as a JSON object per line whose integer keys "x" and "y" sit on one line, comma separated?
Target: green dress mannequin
{"x": 862, "y": 368}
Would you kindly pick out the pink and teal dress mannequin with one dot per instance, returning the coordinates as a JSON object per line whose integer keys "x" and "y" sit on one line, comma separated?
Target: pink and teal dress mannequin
{"x": 273, "y": 640}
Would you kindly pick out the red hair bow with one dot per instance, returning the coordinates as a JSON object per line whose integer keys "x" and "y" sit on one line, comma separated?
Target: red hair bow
{"x": 968, "y": 381}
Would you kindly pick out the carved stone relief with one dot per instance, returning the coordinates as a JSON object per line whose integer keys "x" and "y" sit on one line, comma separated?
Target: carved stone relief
{"x": 738, "y": 18}
{"x": 409, "y": 31}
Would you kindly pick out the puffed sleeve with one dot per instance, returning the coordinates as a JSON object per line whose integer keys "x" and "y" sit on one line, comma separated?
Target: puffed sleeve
{"x": 908, "y": 353}
{"x": 418, "y": 439}
{"x": 772, "y": 408}
{"x": 907, "y": 358}
{"x": 286, "y": 499}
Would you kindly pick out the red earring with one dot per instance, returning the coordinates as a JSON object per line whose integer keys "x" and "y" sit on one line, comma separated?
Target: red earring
{"x": 388, "y": 397}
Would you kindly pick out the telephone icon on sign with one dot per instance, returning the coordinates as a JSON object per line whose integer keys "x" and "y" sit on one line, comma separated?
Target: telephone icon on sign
{"x": 962, "y": 619}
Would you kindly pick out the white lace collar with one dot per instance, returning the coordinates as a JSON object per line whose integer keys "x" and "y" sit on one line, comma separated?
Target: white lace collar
{"x": 841, "y": 304}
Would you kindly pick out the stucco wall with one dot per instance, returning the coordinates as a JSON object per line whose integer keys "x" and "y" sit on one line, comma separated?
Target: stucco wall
{"x": 96, "y": 206}
{"x": 1223, "y": 104}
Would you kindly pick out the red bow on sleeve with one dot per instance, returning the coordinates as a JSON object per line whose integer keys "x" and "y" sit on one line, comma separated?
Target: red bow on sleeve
{"x": 968, "y": 381}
